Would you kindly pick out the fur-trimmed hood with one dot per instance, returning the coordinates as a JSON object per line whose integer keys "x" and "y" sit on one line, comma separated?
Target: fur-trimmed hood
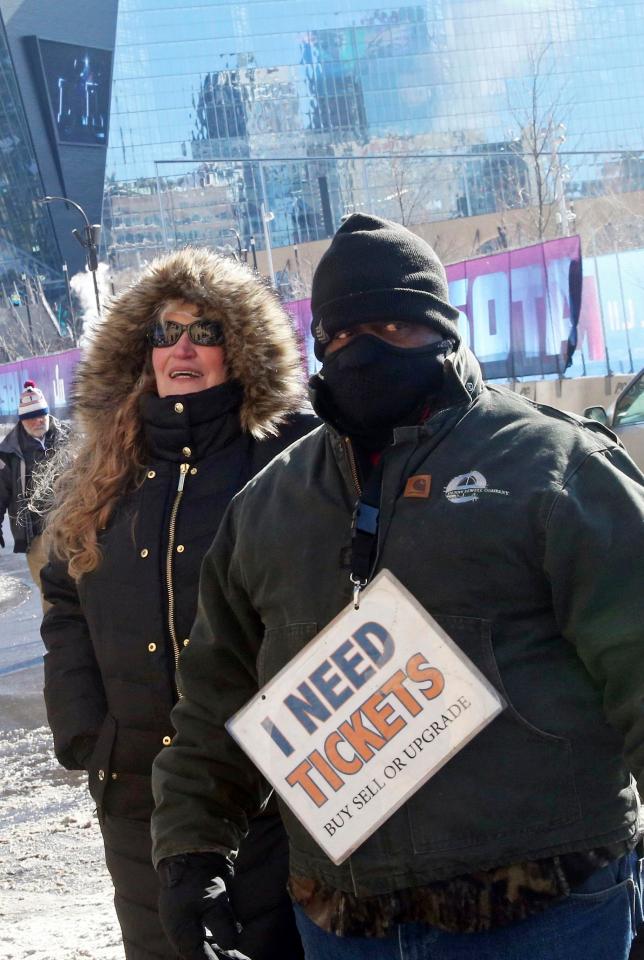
{"x": 260, "y": 344}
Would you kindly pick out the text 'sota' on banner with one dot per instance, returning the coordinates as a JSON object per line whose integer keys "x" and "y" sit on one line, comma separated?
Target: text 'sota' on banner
{"x": 363, "y": 716}
{"x": 519, "y": 309}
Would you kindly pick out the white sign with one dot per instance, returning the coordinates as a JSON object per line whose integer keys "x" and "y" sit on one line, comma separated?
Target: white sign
{"x": 364, "y": 715}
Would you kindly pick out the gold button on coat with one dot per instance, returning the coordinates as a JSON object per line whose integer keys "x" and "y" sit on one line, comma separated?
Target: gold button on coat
{"x": 101, "y": 774}
{"x": 186, "y": 451}
{"x": 115, "y": 776}
{"x": 167, "y": 741}
{"x": 193, "y": 471}
{"x": 152, "y": 647}
{"x": 180, "y": 548}
{"x": 186, "y": 641}
{"x": 178, "y": 408}
{"x": 151, "y": 474}
{"x": 144, "y": 552}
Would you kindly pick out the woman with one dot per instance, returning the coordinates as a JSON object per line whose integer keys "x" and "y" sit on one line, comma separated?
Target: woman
{"x": 179, "y": 397}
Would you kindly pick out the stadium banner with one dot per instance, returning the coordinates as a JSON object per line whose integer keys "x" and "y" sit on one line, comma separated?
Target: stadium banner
{"x": 525, "y": 313}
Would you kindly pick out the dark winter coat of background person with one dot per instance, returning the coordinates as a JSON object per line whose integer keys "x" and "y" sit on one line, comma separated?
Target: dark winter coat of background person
{"x": 19, "y": 454}
{"x": 113, "y": 637}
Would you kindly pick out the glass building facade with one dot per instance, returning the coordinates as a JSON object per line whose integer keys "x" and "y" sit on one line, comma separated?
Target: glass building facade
{"x": 28, "y": 249}
{"x": 274, "y": 118}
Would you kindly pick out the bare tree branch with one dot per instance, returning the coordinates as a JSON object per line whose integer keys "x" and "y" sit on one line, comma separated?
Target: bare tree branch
{"x": 540, "y": 116}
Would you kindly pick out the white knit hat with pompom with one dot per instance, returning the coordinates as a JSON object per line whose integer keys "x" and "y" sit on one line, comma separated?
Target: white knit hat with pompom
{"x": 32, "y": 402}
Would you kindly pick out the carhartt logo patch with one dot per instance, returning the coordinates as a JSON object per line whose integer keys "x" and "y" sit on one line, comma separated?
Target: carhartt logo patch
{"x": 418, "y": 486}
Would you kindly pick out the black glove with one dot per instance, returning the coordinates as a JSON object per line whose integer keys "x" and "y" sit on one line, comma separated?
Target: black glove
{"x": 194, "y": 899}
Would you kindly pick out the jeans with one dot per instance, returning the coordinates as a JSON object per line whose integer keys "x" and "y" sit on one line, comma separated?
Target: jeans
{"x": 596, "y": 922}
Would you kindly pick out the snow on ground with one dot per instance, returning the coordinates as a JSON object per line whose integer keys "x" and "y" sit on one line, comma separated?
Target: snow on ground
{"x": 55, "y": 893}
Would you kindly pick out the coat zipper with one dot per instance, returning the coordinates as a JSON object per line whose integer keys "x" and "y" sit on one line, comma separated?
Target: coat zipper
{"x": 352, "y": 464}
{"x": 183, "y": 470}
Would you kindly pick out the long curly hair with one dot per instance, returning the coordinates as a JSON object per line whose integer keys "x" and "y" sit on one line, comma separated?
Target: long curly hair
{"x": 106, "y": 459}
{"x": 82, "y": 485}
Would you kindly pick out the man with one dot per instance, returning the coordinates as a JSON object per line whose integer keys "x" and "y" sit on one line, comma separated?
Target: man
{"x": 34, "y": 437}
{"x": 520, "y": 533}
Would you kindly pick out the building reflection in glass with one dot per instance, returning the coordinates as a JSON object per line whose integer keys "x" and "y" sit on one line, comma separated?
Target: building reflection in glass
{"x": 30, "y": 262}
{"x": 419, "y": 112}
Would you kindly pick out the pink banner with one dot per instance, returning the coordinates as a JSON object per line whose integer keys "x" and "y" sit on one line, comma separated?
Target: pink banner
{"x": 517, "y": 314}
{"x": 53, "y": 374}
{"x": 300, "y": 311}
{"x": 515, "y": 308}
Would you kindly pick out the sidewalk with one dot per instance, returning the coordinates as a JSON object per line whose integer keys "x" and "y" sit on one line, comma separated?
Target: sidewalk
{"x": 55, "y": 893}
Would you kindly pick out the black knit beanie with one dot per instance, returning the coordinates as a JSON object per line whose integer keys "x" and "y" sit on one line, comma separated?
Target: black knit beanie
{"x": 377, "y": 270}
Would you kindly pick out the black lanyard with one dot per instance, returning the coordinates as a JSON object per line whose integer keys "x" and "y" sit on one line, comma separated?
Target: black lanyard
{"x": 364, "y": 532}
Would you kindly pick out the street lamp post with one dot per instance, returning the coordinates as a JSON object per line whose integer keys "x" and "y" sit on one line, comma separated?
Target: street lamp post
{"x": 23, "y": 277}
{"x": 266, "y": 215}
{"x": 242, "y": 252}
{"x": 253, "y": 252}
{"x": 266, "y": 218}
{"x": 70, "y": 305}
{"x": 88, "y": 239}
{"x": 557, "y": 138}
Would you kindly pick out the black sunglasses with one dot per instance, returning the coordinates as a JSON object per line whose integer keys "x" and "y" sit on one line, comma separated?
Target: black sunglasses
{"x": 202, "y": 332}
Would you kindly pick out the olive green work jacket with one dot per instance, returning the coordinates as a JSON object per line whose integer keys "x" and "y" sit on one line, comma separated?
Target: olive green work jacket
{"x": 537, "y": 576}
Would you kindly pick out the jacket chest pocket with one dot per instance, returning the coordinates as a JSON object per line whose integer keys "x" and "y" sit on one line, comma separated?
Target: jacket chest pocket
{"x": 511, "y": 779}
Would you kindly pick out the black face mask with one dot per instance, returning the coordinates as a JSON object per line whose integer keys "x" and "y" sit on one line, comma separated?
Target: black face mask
{"x": 370, "y": 386}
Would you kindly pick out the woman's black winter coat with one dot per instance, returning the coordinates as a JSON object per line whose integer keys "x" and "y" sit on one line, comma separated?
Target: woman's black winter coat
{"x": 111, "y": 648}
{"x": 110, "y": 661}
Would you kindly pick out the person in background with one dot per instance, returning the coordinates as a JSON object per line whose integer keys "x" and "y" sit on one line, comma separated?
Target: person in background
{"x": 33, "y": 439}
{"x": 189, "y": 385}
{"x": 519, "y": 529}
